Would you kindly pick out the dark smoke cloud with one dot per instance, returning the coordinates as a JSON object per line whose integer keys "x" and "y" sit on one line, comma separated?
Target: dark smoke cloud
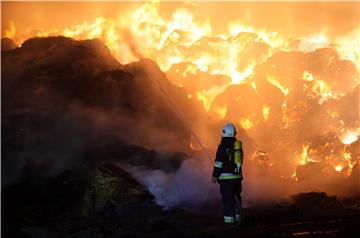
{"x": 67, "y": 104}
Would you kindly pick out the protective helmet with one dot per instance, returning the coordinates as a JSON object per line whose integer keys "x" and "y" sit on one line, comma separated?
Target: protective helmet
{"x": 229, "y": 130}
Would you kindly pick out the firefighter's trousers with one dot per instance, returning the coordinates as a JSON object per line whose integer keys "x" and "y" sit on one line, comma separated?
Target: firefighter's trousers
{"x": 230, "y": 191}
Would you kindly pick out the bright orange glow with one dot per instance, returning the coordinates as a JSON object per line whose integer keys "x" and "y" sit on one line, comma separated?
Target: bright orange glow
{"x": 323, "y": 90}
{"x": 307, "y": 76}
{"x": 339, "y": 168}
{"x": 314, "y": 41}
{"x": 333, "y": 114}
{"x": 348, "y": 160}
{"x": 276, "y": 83}
{"x": 304, "y": 156}
{"x": 190, "y": 70}
{"x": 349, "y": 48}
{"x": 141, "y": 31}
{"x": 265, "y": 112}
{"x": 349, "y": 137}
{"x": 202, "y": 97}
{"x": 246, "y": 123}
{"x": 220, "y": 111}
{"x": 11, "y": 30}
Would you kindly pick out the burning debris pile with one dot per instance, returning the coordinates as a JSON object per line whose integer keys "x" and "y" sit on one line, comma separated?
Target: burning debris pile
{"x": 294, "y": 100}
{"x": 304, "y": 129}
{"x": 83, "y": 103}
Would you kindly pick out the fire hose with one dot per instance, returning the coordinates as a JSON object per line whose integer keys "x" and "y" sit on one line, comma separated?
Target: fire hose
{"x": 182, "y": 117}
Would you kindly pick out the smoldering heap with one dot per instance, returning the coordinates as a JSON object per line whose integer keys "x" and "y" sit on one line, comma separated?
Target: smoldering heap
{"x": 298, "y": 112}
{"x": 72, "y": 119}
{"x": 67, "y": 104}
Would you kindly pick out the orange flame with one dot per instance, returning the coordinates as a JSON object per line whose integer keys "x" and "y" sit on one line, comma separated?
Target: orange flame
{"x": 11, "y": 30}
{"x": 246, "y": 123}
{"x": 265, "y": 112}
{"x": 187, "y": 37}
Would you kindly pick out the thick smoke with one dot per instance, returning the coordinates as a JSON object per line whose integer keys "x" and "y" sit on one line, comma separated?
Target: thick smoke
{"x": 189, "y": 186}
{"x": 68, "y": 104}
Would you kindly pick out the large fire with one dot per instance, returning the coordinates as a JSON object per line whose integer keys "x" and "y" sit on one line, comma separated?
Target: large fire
{"x": 208, "y": 64}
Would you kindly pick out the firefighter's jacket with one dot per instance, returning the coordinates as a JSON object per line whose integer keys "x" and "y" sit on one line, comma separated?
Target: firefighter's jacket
{"x": 224, "y": 167}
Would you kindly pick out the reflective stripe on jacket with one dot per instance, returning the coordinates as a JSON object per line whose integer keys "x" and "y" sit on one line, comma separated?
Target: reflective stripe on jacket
{"x": 229, "y": 176}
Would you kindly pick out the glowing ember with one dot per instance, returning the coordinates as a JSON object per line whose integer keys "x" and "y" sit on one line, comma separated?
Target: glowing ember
{"x": 348, "y": 159}
{"x": 307, "y": 76}
{"x": 237, "y": 77}
{"x": 276, "y": 83}
{"x": 190, "y": 69}
{"x": 304, "y": 155}
{"x": 220, "y": 111}
{"x": 265, "y": 112}
{"x": 207, "y": 96}
{"x": 349, "y": 137}
{"x": 339, "y": 168}
{"x": 322, "y": 90}
{"x": 347, "y": 156}
{"x": 246, "y": 123}
{"x": 333, "y": 114}
{"x": 202, "y": 98}
{"x": 192, "y": 146}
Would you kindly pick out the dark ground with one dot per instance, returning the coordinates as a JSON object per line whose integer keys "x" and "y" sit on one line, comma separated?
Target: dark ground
{"x": 107, "y": 202}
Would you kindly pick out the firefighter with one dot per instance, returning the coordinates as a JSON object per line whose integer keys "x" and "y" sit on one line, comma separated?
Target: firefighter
{"x": 228, "y": 173}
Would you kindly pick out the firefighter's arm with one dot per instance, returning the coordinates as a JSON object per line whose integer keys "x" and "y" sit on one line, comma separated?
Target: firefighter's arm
{"x": 218, "y": 163}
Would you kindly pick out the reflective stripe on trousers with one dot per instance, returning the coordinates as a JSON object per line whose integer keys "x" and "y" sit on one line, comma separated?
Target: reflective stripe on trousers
{"x": 218, "y": 164}
{"x": 229, "y": 176}
{"x": 228, "y": 219}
